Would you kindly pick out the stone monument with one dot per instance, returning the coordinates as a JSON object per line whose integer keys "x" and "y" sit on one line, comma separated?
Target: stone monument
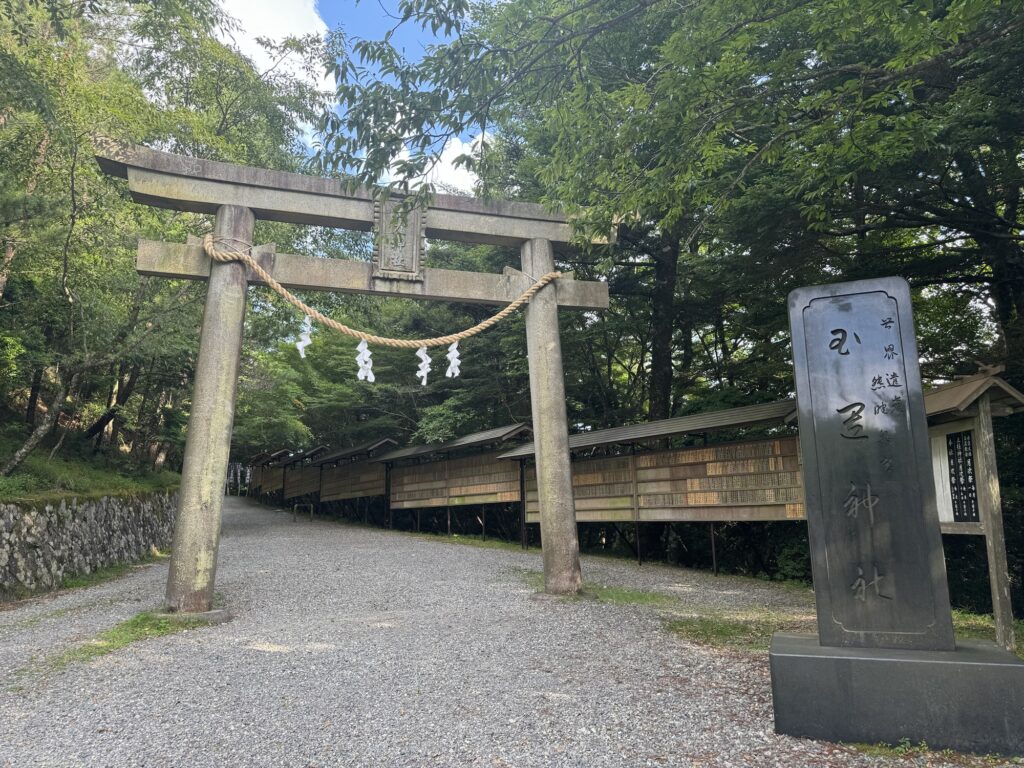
{"x": 884, "y": 666}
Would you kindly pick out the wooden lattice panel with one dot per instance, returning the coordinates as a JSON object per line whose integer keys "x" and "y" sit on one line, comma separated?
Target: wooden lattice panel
{"x": 481, "y": 479}
{"x": 256, "y": 480}
{"x": 301, "y": 481}
{"x": 752, "y": 480}
{"x": 352, "y": 481}
{"x": 273, "y": 479}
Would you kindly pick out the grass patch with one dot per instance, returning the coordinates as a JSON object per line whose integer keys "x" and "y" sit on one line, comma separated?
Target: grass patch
{"x": 40, "y": 479}
{"x": 623, "y": 596}
{"x": 142, "y": 626}
{"x": 444, "y": 538}
{"x": 534, "y": 579}
{"x": 983, "y": 627}
{"x": 617, "y": 595}
{"x": 747, "y": 633}
{"x": 906, "y": 750}
{"x": 754, "y": 632}
{"x": 111, "y": 572}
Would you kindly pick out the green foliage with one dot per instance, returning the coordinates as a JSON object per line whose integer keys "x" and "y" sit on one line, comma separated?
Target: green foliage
{"x": 743, "y": 149}
{"x": 43, "y": 479}
{"x": 80, "y": 333}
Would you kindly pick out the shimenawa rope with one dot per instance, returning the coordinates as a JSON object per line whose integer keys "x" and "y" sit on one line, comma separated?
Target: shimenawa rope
{"x": 210, "y": 246}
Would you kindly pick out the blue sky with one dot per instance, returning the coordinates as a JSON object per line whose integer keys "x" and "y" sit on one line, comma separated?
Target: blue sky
{"x": 368, "y": 19}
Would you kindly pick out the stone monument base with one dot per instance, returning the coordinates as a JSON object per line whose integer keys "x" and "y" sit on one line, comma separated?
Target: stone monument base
{"x": 970, "y": 699}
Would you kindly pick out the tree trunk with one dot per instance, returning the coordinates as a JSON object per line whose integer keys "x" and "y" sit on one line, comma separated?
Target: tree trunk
{"x": 666, "y": 264}
{"x": 161, "y": 456}
{"x": 42, "y": 429}
{"x": 33, "y": 396}
{"x": 5, "y": 268}
{"x": 60, "y": 443}
{"x": 139, "y": 422}
{"x": 1007, "y": 291}
{"x": 125, "y": 389}
{"x": 997, "y": 218}
{"x": 121, "y": 390}
{"x": 97, "y": 433}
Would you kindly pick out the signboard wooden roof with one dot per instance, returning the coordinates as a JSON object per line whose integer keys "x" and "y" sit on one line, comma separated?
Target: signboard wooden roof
{"x": 695, "y": 423}
{"x": 958, "y": 396}
{"x": 953, "y": 399}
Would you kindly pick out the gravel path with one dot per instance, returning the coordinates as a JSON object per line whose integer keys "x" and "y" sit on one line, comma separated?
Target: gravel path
{"x": 360, "y": 647}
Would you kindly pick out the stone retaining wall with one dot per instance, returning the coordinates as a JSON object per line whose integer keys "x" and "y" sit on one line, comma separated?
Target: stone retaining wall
{"x": 41, "y": 544}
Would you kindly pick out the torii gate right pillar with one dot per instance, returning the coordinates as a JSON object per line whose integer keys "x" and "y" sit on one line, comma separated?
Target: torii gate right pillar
{"x": 550, "y": 429}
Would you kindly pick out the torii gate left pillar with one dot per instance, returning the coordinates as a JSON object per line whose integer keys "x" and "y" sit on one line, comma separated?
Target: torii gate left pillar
{"x": 208, "y": 445}
{"x": 238, "y": 196}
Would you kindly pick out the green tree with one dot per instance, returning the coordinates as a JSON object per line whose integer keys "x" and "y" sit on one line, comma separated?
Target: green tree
{"x": 108, "y": 353}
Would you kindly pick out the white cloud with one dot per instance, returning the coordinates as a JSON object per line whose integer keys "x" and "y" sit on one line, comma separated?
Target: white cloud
{"x": 446, "y": 175}
{"x": 275, "y": 20}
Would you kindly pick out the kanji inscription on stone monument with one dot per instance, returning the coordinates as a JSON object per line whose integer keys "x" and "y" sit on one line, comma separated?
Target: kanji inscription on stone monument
{"x": 877, "y": 559}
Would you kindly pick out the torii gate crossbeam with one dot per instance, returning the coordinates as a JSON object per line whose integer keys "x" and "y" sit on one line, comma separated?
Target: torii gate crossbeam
{"x": 240, "y": 195}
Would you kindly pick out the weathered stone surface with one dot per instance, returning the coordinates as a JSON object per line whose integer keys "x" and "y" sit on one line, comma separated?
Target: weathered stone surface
{"x": 970, "y": 699}
{"x": 41, "y": 545}
{"x": 562, "y": 574}
{"x": 183, "y": 183}
{"x": 190, "y": 262}
{"x": 193, "y": 566}
{"x": 876, "y": 551}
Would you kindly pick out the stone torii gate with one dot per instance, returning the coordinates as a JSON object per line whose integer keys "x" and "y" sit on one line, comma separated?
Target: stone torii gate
{"x": 238, "y": 195}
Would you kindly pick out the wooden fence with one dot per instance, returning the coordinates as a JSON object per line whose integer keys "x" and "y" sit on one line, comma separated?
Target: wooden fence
{"x": 480, "y": 479}
{"x": 750, "y": 480}
{"x": 353, "y": 481}
{"x": 753, "y": 480}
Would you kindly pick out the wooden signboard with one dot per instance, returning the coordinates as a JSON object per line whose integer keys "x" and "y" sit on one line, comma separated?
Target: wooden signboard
{"x": 954, "y": 463}
{"x": 301, "y": 481}
{"x": 273, "y": 479}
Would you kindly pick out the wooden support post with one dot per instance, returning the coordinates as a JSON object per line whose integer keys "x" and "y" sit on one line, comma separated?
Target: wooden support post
{"x": 635, "y": 493}
{"x": 320, "y": 487}
{"x": 193, "y": 566}
{"x": 714, "y": 552}
{"x": 559, "y": 539}
{"x": 387, "y": 494}
{"x": 449, "y": 511}
{"x": 639, "y": 554}
{"x": 522, "y": 504}
{"x": 991, "y": 512}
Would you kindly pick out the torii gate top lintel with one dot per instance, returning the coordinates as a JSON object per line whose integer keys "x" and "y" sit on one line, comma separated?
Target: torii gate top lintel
{"x": 202, "y": 186}
{"x": 167, "y": 180}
